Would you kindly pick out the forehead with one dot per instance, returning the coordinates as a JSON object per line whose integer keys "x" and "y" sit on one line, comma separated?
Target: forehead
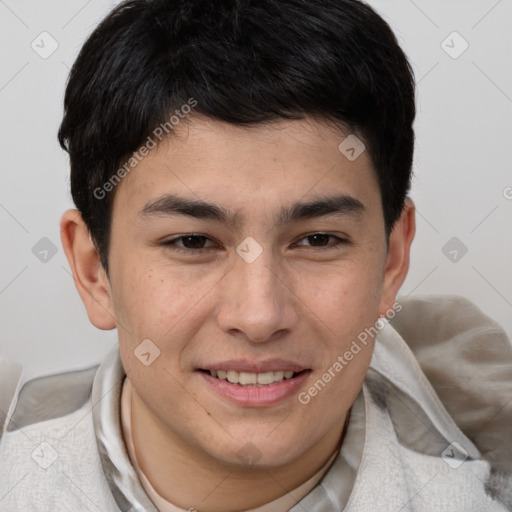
{"x": 265, "y": 163}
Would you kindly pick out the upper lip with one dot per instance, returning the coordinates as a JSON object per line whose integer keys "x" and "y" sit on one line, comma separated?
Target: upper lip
{"x": 245, "y": 365}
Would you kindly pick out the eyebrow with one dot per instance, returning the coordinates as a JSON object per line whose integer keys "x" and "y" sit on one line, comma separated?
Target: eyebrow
{"x": 336, "y": 205}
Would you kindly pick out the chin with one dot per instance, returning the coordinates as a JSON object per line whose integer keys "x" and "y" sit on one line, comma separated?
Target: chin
{"x": 259, "y": 450}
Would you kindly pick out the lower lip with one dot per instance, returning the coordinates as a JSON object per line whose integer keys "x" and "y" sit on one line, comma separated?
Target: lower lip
{"x": 253, "y": 396}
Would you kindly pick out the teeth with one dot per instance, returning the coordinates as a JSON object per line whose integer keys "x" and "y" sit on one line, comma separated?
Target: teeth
{"x": 251, "y": 379}
{"x": 247, "y": 378}
{"x": 265, "y": 378}
{"x": 279, "y": 376}
{"x": 233, "y": 377}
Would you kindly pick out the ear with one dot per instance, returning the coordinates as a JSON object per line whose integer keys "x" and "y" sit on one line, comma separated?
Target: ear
{"x": 90, "y": 278}
{"x": 397, "y": 263}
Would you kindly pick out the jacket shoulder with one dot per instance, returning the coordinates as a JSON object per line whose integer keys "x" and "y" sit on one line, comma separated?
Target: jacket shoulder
{"x": 467, "y": 358}
{"x": 49, "y": 397}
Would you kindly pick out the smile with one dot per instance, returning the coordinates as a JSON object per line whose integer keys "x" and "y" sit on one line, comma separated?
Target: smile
{"x": 252, "y": 379}
{"x": 251, "y": 389}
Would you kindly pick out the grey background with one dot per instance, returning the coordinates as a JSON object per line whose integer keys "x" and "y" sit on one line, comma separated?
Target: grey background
{"x": 462, "y": 186}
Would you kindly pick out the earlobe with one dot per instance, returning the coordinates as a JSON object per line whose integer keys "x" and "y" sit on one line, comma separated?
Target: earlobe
{"x": 397, "y": 263}
{"x": 88, "y": 273}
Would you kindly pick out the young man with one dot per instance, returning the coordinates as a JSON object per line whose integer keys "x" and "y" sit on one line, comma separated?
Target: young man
{"x": 241, "y": 172}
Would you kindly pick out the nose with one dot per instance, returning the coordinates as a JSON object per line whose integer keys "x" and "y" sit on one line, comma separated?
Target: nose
{"x": 257, "y": 301}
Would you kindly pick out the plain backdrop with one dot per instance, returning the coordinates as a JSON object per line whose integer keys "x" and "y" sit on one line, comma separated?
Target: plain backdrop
{"x": 461, "y": 54}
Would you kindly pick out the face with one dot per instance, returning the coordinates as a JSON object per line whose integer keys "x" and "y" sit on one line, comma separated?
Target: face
{"x": 255, "y": 283}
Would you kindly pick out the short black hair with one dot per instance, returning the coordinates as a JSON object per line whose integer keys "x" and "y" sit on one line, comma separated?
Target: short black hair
{"x": 243, "y": 62}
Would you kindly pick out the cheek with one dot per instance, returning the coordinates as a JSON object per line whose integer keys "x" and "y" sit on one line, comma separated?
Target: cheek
{"x": 163, "y": 303}
{"x": 346, "y": 303}
{"x": 348, "y": 295}
{"x": 348, "y": 310}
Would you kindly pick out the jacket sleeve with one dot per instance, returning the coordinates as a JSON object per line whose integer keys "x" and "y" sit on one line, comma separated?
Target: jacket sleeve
{"x": 10, "y": 380}
{"x": 467, "y": 357}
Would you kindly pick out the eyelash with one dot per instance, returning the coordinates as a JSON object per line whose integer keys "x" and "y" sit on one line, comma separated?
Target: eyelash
{"x": 172, "y": 243}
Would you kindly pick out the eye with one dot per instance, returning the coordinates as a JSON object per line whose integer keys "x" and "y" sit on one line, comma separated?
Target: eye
{"x": 196, "y": 243}
{"x": 320, "y": 238}
{"x": 190, "y": 243}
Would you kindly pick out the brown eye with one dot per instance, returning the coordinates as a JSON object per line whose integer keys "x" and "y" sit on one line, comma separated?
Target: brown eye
{"x": 189, "y": 243}
{"x": 193, "y": 241}
{"x": 320, "y": 240}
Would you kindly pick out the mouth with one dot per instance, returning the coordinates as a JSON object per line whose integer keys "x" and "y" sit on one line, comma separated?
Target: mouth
{"x": 255, "y": 389}
{"x": 250, "y": 379}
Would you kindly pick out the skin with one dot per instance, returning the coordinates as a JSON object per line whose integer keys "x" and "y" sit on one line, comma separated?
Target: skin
{"x": 297, "y": 301}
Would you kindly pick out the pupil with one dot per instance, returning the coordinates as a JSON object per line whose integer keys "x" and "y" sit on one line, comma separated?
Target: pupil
{"x": 315, "y": 237}
{"x": 194, "y": 245}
